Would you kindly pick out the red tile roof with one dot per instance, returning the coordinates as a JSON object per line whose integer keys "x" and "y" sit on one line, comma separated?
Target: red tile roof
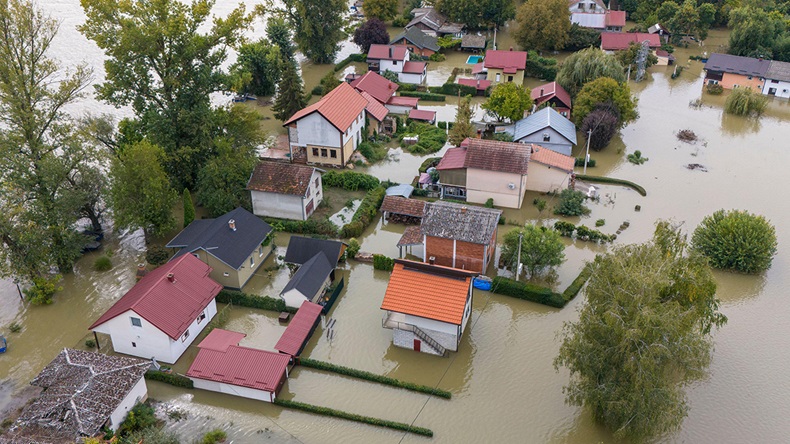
{"x": 220, "y": 340}
{"x": 414, "y": 67}
{"x": 453, "y": 159}
{"x": 615, "y": 18}
{"x": 422, "y": 114}
{"x": 340, "y": 107}
{"x": 509, "y": 61}
{"x": 375, "y": 85}
{"x": 544, "y": 93}
{"x": 281, "y": 178}
{"x": 299, "y": 329}
{"x": 242, "y": 366}
{"x": 402, "y": 205}
{"x": 552, "y": 158}
{"x": 477, "y": 68}
{"x": 387, "y": 52}
{"x": 403, "y": 101}
{"x": 169, "y": 306}
{"x": 428, "y": 291}
{"x": 493, "y": 155}
{"x": 480, "y": 85}
{"x": 616, "y": 41}
{"x": 375, "y": 108}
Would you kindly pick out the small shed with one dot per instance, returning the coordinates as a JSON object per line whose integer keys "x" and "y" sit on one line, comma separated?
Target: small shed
{"x": 479, "y": 85}
{"x": 402, "y": 210}
{"x": 309, "y": 282}
{"x": 411, "y": 236}
{"x": 423, "y": 115}
{"x": 402, "y": 190}
{"x": 299, "y": 330}
{"x": 475, "y": 43}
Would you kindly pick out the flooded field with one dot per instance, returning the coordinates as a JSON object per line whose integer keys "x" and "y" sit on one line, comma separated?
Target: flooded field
{"x": 504, "y": 386}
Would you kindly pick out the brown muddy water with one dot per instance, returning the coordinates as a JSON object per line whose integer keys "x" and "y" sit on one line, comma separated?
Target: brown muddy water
{"x": 504, "y": 386}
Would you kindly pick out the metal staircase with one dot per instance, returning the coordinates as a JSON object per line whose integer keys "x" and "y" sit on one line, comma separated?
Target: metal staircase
{"x": 429, "y": 340}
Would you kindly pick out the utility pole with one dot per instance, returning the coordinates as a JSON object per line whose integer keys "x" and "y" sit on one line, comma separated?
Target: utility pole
{"x": 518, "y": 258}
{"x": 587, "y": 154}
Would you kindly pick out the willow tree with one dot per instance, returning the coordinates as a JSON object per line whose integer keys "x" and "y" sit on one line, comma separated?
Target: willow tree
{"x": 587, "y": 65}
{"x": 642, "y": 335}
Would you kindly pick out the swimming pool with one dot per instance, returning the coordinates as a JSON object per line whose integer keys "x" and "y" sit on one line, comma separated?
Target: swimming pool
{"x": 473, "y": 59}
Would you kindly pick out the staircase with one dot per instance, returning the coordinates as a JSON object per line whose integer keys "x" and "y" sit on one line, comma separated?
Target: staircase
{"x": 429, "y": 340}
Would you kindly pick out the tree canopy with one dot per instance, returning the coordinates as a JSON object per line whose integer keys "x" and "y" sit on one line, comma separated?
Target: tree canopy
{"x": 758, "y": 33}
{"x": 541, "y": 249}
{"x": 384, "y": 10}
{"x": 290, "y": 96}
{"x": 318, "y": 27}
{"x": 508, "y": 101}
{"x": 477, "y": 14}
{"x": 543, "y": 24}
{"x": 372, "y": 32}
{"x": 585, "y": 66}
{"x": 600, "y": 125}
{"x": 736, "y": 240}
{"x": 642, "y": 335}
{"x": 605, "y": 90}
{"x": 463, "y": 127}
{"x": 257, "y": 68}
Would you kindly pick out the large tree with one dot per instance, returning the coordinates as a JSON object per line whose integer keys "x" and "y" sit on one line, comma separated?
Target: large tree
{"x": 478, "y": 14}
{"x": 164, "y": 58}
{"x": 463, "y": 127}
{"x": 49, "y": 175}
{"x": 543, "y": 24}
{"x": 604, "y": 90}
{"x": 372, "y": 32}
{"x": 600, "y": 125}
{"x": 222, "y": 183}
{"x": 384, "y": 10}
{"x": 318, "y": 27}
{"x": 257, "y": 68}
{"x": 755, "y": 31}
{"x": 642, "y": 335}
{"x": 585, "y": 66}
{"x": 279, "y": 33}
{"x": 541, "y": 249}
{"x": 508, "y": 101}
{"x": 290, "y": 93}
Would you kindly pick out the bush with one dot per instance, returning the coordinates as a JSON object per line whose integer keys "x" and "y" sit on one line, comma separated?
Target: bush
{"x": 317, "y": 90}
{"x": 445, "y": 125}
{"x": 437, "y": 57}
{"x": 636, "y": 158}
{"x": 323, "y": 227}
{"x": 213, "y": 437}
{"x": 571, "y": 203}
{"x": 540, "y": 204}
{"x": 361, "y": 374}
{"x": 365, "y": 214}
{"x": 157, "y": 255}
{"x": 169, "y": 378}
{"x": 736, "y": 240}
{"x": 502, "y": 137}
{"x": 744, "y": 101}
{"x": 580, "y": 162}
{"x": 715, "y": 89}
{"x": 600, "y": 222}
{"x": 42, "y": 290}
{"x": 431, "y": 140}
{"x": 326, "y": 411}
{"x": 189, "y": 208}
{"x": 349, "y": 180}
{"x": 489, "y": 203}
{"x": 448, "y": 42}
{"x": 453, "y": 89}
{"x": 252, "y": 301}
{"x": 527, "y": 291}
{"x": 102, "y": 263}
{"x": 140, "y": 417}
{"x": 14, "y": 327}
{"x": 430, "y": 97}
{"x": 429, "y": 162}
{"x": 612, "y": 180}
{"x": 540, "y": 67}
{"x": 372, "y": 151}
{"x": 401, "y": 21}
{"x": 353, "y": 248}
{"x": 577, "y": 284}
{"x": 90, "y": 343}
{"x": 381, "y": 262}
{"x": 582, "y": 232}
{"x": 564, "y": 228}
{"x": 152, "y": 435}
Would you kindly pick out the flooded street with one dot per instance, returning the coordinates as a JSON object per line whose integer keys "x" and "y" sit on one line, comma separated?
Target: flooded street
{"x": 504, "y": 386}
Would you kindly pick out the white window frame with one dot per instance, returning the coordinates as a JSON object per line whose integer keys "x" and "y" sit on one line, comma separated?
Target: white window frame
{"x": 132, "y": 318}
{"x": 185, "y": 336}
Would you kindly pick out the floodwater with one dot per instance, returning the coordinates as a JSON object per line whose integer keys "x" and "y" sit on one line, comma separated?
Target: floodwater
{"x": 504, "y": 386}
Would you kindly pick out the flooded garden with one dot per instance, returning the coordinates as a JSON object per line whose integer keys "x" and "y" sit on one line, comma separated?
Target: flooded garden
{"x": 504, "y": 385}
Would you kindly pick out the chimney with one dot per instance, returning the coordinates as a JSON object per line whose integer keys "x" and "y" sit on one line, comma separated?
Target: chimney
{"x": 171, "y": 277}
{"x": 511, "y": 48}
{"x": 541, "y": 92}
{"x": 390, "y": 51}
{"x": 141, "y": 271}
{"x": 432, "y": 260}
{"x": 232, "y": 224}
{"x": 463, "y": 210}
{"x": 479, "y": 133}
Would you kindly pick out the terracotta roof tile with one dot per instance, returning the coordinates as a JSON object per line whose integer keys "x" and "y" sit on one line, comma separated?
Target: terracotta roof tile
{"x": 422, "y": 114}
{"x": 376, "y": 85}
{"x": 375, "y": 108}
{"x": 616, "y": 41}
{"x": 493, "y": 155}
{"x": 220, "y": 339}
{"x": 411, "y": 236}
{"x": 453, "y": 159}
{"x": 340, "y": 107}
{"x": 552, "y": 158}
{"x": 387, "y": 52}
{"x": 510, "y": 61}
{"x": 414, "y": 67}
{"x": 480, "y": 85}
{"x": 428, "y": 291}
{"x": 615, "y": 18}
{"x": 281, "y": 178}
{"x": 402, "y": 205}
{"x": 546, "y": 92}
{"x": 403, "y": 101}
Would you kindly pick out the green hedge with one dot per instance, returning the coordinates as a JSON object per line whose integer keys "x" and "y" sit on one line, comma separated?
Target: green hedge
{"x": 326, "y": 411}
{"x": 580, "y": 162}
{"x": 361, "y": 374}
{"x": 252, "y": 301}
{"x": 365, "y": 214}
{"x": 577, "y": 284}
{"x": 423, "y": 95}
{"x": 527, "y": 291}
{"x": 349, "y": 180}
{"x": 453, "y": 89}
{"x": 381, "y": 262}
{"x": 601, "y": 179}
{"x": 324, "y": 227}
{"x": 540, "y": 67}
{"x": 582, "y": 232}
{"x": 169, "y": 378}
{"x": 444, "y": 125}
{"x": 429, "y": 162}
{"x": 352, "y": 58}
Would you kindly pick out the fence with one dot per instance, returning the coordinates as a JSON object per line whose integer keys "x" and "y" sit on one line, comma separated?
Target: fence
{"x": 335, "y": 293}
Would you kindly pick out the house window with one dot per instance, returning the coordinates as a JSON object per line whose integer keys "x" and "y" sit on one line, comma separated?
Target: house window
{"x": 546, "y": 137}
{"x": 509, "y": 78}
{"x": 136, "y": 322}
{"x": 185, "y": 336}
{"x": 315, "y": 151}
{"x": 333, "y": 154}
{"x": 252, "y": 261}
{"x": 308, "y": 191}
{"x": 309, "y": 207}
{"x": 226, "y": 274}
{"x": 260, "y": 251}
{"x": 201, "y": 317}
{"x": 316, "y": 182}
{"x": 134, "y": 344}
{"x": 395, "y": 63}
{"x": 323, "y": 152}
{"x": 196, "y": 255}
{"x": 498, "y": 77}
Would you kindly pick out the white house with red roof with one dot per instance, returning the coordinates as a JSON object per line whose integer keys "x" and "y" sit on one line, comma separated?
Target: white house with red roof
{"x": 552, "y": 94}
{"x": 505, "y": 66}
{"x": 164, "y": 312}
{"x": 395, "y": 58}
{"x": 224, "y": 366}
{"x": 328, "y": 131}
{"x": 594, "y": 14}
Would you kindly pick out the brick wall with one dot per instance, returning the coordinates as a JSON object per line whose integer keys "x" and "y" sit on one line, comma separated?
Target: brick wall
{"x": 440, "y": 248}
{"x": 467, "y": 256}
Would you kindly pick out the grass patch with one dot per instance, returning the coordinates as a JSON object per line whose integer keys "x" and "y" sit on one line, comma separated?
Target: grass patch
{"x": 365, "y": 214}
{"x": 102, "y": 263}
{"x": 431, "y": 138}
{"x": 367, "y": 376}
{"x": 601, "y": 179}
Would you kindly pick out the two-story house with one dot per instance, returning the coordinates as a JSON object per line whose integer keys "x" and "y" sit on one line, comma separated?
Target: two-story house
{"x": 732, "y": 71}
{"x": 505, "y": 66}
{"x": 417, "y": 41}
{"x": 285, "y": 190}
{"x": 594, "y": 14}
{"x": 164, "y": 312}
{"x": 434, "y": 23}
{"x": 328, "y": 131}
{"x": 777, "y": 80}
{"x": 395, "y": 58}
{"x": 552, "y": 95}
{"x": 547, "y": 128}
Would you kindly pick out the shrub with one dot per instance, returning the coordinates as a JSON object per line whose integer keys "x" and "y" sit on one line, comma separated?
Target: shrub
{"x": 636, "y": 158}
{"x": 429, "y": 162}
{"x": 42, "y": 290}
{"x": 157, "y": 255}
{"x": 90, "y": 343}
{"x": 540, "y": 204}
{"x": 152, "y": 435}
{"x": 437, "y": 57}
{"x": 189, "y": 208}
{"x": 541, "y": 249}
{"x": 14, "y": 327}
{"x": 715, "y": 89}
{"x": 744, "y": 101}
{"x": 580, "y": 162}
{"x": 349, "y": 180}
{"x": 169, "y": 378}
{"x": 453, "y": 89}
{"x": 527, "y": 291}
{"x": 736, "y": 240}
{"x": 489, "y": 203}
{"x": 600, "y": 222}
{"x": 317, "y": 90}
{"x": 448, "y": 42}
{"x": 445, "y": 125}
{"x": 213, "y": 437}
{"x": 365, "y": 214}
{"x": 372, "y": 151}
{"x": 571, "y": 203}
{"x": 361, "y": 374}
{"x": 401, "y": 21}
{"x": 430, "y": 97}
{"x": 381, "y": 262}
{"x": 102, "y": 263}
{"x": 502, "y": 137}
{"x": 431, "y": 140}
{"x": 577, "y": 284}
{"x": 252, "y": 301}
{"x": 353, "y": 248}
{"x": 326, "y": 411}
{"x": 323, "y": 227}
{"x": 564, "y": 228}
{"x": 540, "y": 67}
{"x": 140, "y": 417}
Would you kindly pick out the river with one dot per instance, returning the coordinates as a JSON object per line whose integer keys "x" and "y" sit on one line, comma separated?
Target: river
{"x": 504, "y": 386}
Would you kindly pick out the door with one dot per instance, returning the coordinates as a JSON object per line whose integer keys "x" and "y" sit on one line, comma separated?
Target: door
{"x": 417, "y": 344}
{"x": 771, "y": 91}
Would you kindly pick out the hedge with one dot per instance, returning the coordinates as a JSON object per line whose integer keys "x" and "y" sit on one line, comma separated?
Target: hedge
{"x": 365, "y": 214}
{"x": 352, "y": 58}
{"x": 540, "y": 67}
{"x": 453, "y": 89}
{"x": 601, "y": 179}
{"x": 541, "y": 295}
{"x": 577, "y": 284}
{"x": 381, "y": 262}
{"x": 423, "y": 95}
{"x": 444, "y": 125}
{"x": 361, "y": 374}
{"x": 349, "y": 180}
{"x": 253, "y": 301}
{"x": 580, "y": 162}
{"x": 582, "y": 232}
{"x": 324, "y": 227}
{"x": 326, "y": 411}
{"x": 169, "y": 378}
{"x": 429, "y": 162}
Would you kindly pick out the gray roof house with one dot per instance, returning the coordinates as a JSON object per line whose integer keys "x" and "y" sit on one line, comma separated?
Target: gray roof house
{"x": 232, "y": 245}
{"x": 432, "y": 22}
{"x": 309, "y": 282}
{"x": 459, "y": 236}
{"x": 417, "y": 38}
{"x": 778, "y": 71}
{"x": 302, "y": 249}
{"x": 547, "y": 128}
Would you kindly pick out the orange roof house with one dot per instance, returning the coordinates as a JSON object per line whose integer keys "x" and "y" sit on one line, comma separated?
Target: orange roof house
{"x": 427, "y": 306}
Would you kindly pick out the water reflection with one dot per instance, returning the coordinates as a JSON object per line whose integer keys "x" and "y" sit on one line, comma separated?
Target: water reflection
{"x": 736, "y": 288}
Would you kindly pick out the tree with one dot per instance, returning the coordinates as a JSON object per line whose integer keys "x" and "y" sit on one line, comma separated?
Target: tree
{"x": 628, "y": 56}
{"x": 477, "y": 14}
{"x": 755, "y": 31}
{"x": 162, "y": 65}
{"x": 580, "y": 37}
{"x": 642, "y": 335}
{"x": 222, "y": 183}
{"x": 463, "y": 127}
{"x": 606, "y": 90}
{"x": 189, "y": 208}
{"x": 372, "y": 32}
{"x": 571, "y": 203}
{"x": 543, "y": 24}
{"x": 508, "y": 101}
{"x": 601, "y": 125}
{"x": 585, "y": 66}
{"x": 744, "y": 102}
{"x": 736, "y": 240}
{"x": 140, "y": 192}
{"x": 257, "y": 68}
{"x": 290, "y": 96}
{"x": 383, "y": 10}
{"x": 318, "y": 27}
{"x": 541, "y": 249}
{"x": 279, "y": 33}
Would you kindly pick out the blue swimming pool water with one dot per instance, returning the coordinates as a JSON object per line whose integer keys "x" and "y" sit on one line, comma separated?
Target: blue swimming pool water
{"x": 474, "y": 59}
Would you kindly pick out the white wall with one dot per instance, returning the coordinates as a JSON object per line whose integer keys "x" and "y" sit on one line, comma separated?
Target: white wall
{"x": 396, "y": 109}
{"x": 355, "y": 131}
{"x": 557, "y": 142}
{"x": 544, "y": 178}
{"x": 283, "y": 206}
{"x": 235, "y": 390}
{"x": 389, "y": 65}
{"x": 782, "y": 88}
{"x": 293, "y": 298}
{"x": 314, "y": 129}
{"x": 450, "y": 331}
{"x": 414, "y": 79}
{"x": 316, "y": 192}
{"x": 139, "y": 393}
{"x": 483, "y": 184}
{"x": 178, "y": 347}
